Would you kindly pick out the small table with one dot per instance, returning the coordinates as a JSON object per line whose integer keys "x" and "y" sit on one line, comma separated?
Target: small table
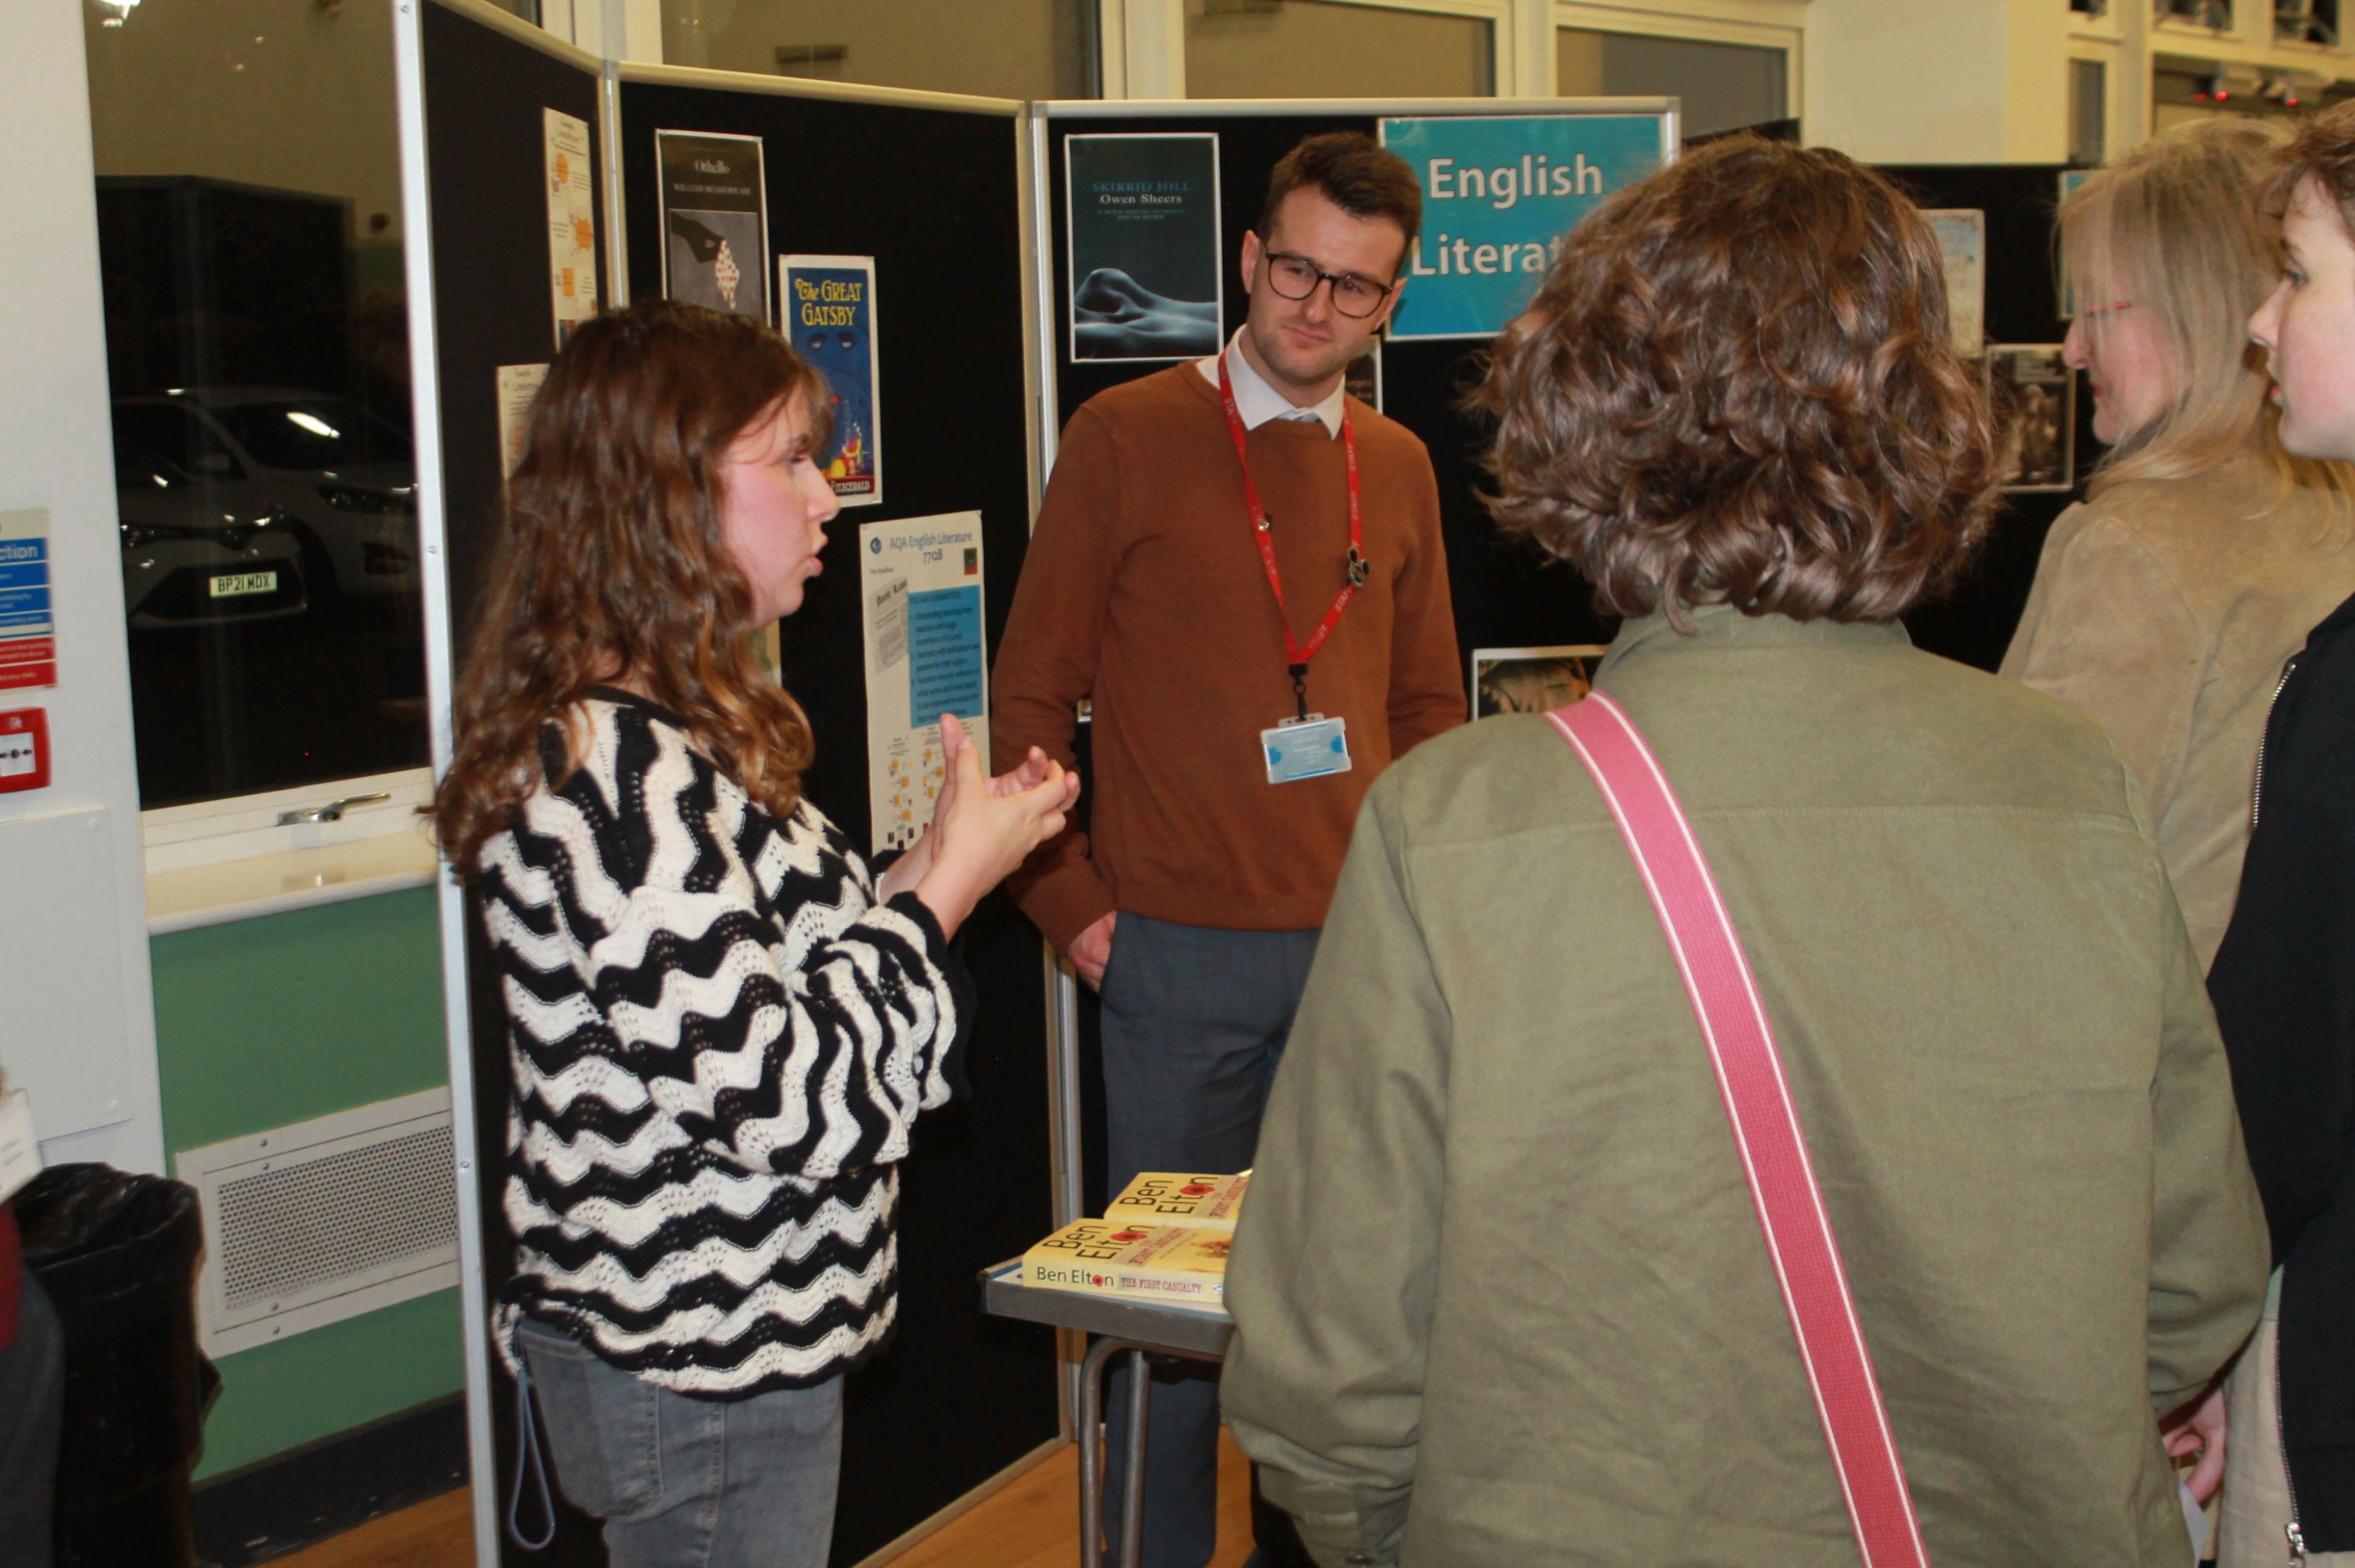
{"x": 1140, "y": 1327}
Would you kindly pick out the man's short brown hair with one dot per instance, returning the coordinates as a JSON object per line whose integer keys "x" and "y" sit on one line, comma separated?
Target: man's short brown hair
{"x": 1736, "y": 386}
{"x": 1360, "y": 177}
{"x": 2324, "y": 149}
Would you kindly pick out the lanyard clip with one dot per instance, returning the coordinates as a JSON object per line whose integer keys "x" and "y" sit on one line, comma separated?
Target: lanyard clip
{"x": 1300, "y": 689}
{"x": 1357, "y": 567}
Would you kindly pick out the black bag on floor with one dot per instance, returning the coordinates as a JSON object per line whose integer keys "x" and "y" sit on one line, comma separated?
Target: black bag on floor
{"x": 117, "y": 1253}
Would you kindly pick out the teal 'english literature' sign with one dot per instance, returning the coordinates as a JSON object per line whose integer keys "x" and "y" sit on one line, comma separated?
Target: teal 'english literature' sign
{"x": 1499, "y": 191}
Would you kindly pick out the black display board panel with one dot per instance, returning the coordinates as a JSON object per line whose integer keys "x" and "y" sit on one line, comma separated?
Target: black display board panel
{"x": 485, "y": 139}
{"x": 935, "y": 196}
{"x": 1974, "y": 623}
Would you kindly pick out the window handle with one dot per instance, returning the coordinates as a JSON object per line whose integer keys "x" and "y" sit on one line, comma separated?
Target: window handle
{"x": 333, "y": 810}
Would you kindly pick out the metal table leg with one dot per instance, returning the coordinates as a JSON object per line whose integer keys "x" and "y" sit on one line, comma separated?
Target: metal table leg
{"x": 1132, "y": 1489}
{"x": 1091, "y": 1421}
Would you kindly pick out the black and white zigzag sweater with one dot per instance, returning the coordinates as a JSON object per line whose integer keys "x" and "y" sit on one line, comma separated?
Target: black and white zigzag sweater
{"x": 719, "y": 1042}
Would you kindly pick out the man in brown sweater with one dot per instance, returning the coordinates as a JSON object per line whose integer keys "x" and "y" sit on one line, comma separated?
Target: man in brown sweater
{"x": 1241, "y": 566}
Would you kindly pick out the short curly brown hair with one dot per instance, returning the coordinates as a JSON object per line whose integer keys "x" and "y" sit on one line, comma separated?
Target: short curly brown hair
{"x": 1737, "y": 386}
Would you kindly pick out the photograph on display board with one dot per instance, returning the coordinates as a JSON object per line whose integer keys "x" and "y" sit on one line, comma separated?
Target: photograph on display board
{"x": 1962, "y": 242}
{"x": 1146, "y": 269}
{"x": 1532, "y": 680}
{"x": 2031, "y": 390}
{"x": 572, "y": 221}
{"x": 714, "y": 221}
{"x": 829, "y": 319}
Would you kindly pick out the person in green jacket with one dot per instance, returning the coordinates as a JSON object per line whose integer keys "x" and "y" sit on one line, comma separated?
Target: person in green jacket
{"x": 1500, "y": 1297}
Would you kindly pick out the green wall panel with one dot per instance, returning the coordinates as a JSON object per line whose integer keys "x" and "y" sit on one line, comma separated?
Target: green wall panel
{"x": 313, "y": 1385}
{"x": 264, "y": 1022}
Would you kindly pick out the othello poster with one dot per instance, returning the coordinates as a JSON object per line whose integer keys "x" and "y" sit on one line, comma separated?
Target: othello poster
{"x": 830, "y": 318}
{"x": 1146, "y": 259}
{"x": 715, "y": 220}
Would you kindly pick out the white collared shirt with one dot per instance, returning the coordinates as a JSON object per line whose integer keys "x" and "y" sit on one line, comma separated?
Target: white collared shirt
{"x": 1257, "y": 401}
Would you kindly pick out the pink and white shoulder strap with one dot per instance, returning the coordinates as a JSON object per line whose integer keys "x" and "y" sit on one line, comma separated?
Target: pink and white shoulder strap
{"x": 1765, "y": 1126}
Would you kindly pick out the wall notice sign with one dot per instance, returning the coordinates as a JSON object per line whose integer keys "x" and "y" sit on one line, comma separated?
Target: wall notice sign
{"x": 519, "y": 385}
{"x": 28, "y": 632}
{"x": 24, "y": 749}
{"x": 1499, "y": 191}
{"x": 920, "y": 597}
{"x": 20, "y": 1151}
{"x": 572, "y": 223}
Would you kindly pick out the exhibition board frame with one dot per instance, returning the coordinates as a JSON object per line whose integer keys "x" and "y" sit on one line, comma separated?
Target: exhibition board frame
{"x": 433, "y": 538}
{"x": 455, "y": 490}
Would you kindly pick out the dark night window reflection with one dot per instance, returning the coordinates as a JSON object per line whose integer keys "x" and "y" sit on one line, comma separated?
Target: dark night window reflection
{"x": 250, "y": 246}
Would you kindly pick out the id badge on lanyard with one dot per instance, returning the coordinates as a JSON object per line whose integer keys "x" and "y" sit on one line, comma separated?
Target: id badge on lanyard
{"x": 1307, "y": 746}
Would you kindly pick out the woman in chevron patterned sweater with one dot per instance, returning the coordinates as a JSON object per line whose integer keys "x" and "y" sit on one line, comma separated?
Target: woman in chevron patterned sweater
{"x": 721, "y": 1023}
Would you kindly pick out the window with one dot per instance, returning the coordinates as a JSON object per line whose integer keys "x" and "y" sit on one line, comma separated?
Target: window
{"x": 1005, "y": 48}
{"x": 2183, "y": 89}
{"x": 2215, "y": 14}
{"x": 1320, "y": 49}
{"x": 2088, "y": 111}
{"x": 2307, "y": 21}
{"x": 1723, "y": 86}
{"x": 249, "y": 245}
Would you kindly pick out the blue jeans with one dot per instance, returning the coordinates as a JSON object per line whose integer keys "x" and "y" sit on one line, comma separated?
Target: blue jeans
{"x": 682, "y": 1482}
{"x": 1194, "y": 1024}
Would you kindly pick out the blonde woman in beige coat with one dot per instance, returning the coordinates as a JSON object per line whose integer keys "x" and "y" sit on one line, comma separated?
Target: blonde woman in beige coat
{"x": 2167, "y": 603}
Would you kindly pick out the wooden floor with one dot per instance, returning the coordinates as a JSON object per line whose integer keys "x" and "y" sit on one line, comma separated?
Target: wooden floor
{"x": 1032, "y": 1523}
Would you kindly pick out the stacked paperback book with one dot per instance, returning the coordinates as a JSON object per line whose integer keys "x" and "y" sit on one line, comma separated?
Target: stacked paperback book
{"x": 1164, "y": 1239}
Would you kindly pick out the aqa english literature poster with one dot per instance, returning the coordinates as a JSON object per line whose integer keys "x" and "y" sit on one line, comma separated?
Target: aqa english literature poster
{"x": 714, "y": 221}
{"x": 1145, "y": 264}
{"x": 828, "y": 315}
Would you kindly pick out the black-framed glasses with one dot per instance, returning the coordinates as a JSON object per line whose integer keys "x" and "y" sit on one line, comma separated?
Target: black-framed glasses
{"x": 1297, "y": 277}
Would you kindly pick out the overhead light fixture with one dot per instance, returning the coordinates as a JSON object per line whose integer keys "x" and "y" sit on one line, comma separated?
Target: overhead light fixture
{"x": 116, "y": 11}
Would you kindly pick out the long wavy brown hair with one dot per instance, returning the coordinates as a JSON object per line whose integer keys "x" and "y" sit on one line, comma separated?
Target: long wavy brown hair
{"x": 1736, "y": 386}
{"x": 612, "y": 566}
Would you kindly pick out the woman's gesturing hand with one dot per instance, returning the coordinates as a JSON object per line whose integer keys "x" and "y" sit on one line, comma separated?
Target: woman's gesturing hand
{"x": 984, "y": 828}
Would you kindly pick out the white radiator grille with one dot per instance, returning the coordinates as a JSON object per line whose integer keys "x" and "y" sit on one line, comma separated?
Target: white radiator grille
{"x": 318, "y": 1222}
{"x": 305, "y": 1224}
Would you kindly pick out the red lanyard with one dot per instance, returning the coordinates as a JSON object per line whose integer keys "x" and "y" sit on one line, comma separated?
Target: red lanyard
{"x": 1298, "y": 653}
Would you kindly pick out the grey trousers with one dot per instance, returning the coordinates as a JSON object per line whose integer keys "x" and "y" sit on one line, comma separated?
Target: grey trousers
{"x": 1194, "y": 1024}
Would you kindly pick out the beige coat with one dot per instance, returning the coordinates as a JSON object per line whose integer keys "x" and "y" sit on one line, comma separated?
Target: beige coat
{"x": 2164, "y": 612}
{"x": 1501, "y": 1299}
